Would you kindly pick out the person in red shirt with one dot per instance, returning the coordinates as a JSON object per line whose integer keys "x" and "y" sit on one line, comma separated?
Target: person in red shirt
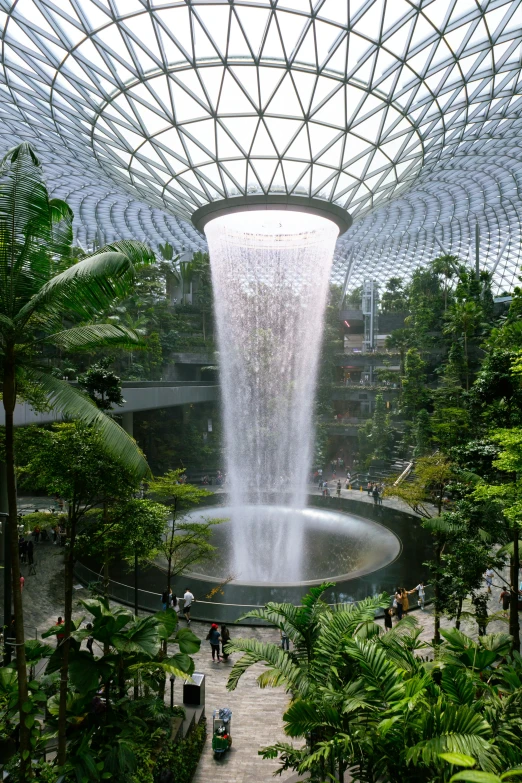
{"x": 59, "y": 636}
{"x": 22, "y": 582}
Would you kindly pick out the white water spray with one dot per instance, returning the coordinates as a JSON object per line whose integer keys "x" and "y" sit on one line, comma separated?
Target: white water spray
{"x": 270, "y": 273}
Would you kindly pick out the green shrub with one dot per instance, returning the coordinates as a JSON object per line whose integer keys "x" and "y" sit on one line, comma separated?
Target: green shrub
{"x": 182, "y": 758}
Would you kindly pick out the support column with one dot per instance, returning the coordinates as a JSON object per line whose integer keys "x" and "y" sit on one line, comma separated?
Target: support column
{"x": 128, "y": 423}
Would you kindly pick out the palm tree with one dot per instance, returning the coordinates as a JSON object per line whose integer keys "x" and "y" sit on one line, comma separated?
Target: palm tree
{"x": 400, "y": 340}
{"x": 35, "y": 294}
{"x": 318, "y": 634}
{"x": 367, "y": 701}
{"x": 463, "y": 319}
{"x": 445, "y": 266}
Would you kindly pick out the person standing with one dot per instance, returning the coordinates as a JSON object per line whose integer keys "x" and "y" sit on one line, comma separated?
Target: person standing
{"x": 338, "y": 489}
{"x": 397, "y": 600}
{"x": 405, "y": 601}
{"x": 188, "y": 600}
{"x": 505, "y": 598}
{"x": 22, "y": 583}
{"x": 421, "y": 594}
{"x": 488, "y": 576}
{"x": 375, "y": 493}
{"x": 30, "y": 552}
{"x": 285, "y": 641}
{"x": 369, "y": 488}
{"x": 59, "y": 636}
{"x": 175, "y": 604}
{"x": 388, "y": 617}
{"x": 214, "y": 638}
{"x": 225, "y": 638}
{"x": 164, "y": 600}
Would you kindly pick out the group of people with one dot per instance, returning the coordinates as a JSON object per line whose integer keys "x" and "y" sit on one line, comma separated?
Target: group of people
{"x": 25, "y": 550}
{"x": 376, "y": 491}
{"x": 401, "y": 603}
{"x": 218, "y": 638}
{"x": 169, "y": 600}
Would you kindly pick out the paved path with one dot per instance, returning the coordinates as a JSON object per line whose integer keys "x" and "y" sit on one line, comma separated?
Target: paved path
{"x": 257, "y": 714}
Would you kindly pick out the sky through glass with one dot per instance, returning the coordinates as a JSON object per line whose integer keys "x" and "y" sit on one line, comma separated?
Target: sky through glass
{"x": 404, "y": 112}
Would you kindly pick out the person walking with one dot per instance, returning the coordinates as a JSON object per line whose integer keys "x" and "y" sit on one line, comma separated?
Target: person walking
{"x": 188, "y": 600}
{"x": 375, "y": 493}
{"x": 30, "y": 552}
{"x": 369, "y": 488}
{"x": 22, "y": 583}
{"x": 338, "y": 489}
{"x": 285, "y": 641}
{"x": 176, "y": 605}
{"x": 505, "y": 598}
{"x": 214, "y": 638}
{"x": 36, "y": 533}
{"x": 488, "y": 576}
{"x": 225, "y": 638}
{"x": 388, "y": 617}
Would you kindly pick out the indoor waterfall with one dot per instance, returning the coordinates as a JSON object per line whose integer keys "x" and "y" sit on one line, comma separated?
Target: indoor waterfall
{"x": 270, "y": 272}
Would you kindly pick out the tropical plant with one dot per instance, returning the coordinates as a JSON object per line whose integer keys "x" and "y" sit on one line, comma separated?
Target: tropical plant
{"x": 367, "y": 702}
{"x": 105, "y": 728}
{"x": 38, "y": 289}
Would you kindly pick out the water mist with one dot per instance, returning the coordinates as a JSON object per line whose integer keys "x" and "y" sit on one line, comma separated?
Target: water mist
{"x": 270, "y": 273}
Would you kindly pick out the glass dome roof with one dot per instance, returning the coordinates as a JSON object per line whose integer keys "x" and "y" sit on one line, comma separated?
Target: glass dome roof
{"x": 403, "y": 112}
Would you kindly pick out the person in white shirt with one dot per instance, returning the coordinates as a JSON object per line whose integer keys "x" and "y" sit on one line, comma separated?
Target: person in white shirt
{"x": 188, "y": 598}
{"x": 421, "y": 593}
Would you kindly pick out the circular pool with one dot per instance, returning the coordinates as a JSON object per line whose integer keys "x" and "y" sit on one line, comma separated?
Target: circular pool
{"x": 333, "y": 546}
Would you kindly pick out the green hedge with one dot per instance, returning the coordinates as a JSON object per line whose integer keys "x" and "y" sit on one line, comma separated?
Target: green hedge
{"x": 183, "y": 757}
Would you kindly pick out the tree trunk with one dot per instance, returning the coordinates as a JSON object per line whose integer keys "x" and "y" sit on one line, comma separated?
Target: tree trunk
{"x": 136, "y": 567}
{"x": 514, "y": 625}
{"x": 66, "y": 644}
{"x": 466, "y": 360}
{"x": 9, "y": 400}
{"x": 436, "y": 593}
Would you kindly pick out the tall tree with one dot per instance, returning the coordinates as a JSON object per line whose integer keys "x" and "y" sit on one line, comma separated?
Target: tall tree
{"x": 71, "y": 461}
{"x": 400, "y": 340}
{"x": 507, "y": 496}
{"x": 463, "y": 320}
{"x": 414, "y": 391}
{"x": 35, "y": 295}
{"x": 184, "y": 542}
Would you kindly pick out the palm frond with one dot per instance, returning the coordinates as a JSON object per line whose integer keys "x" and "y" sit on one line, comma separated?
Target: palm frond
{"x": 73, "y": 403}
{"x": 381, "y": 676}
{"x": 25, "y": 229}
{"x": 86, "y": 288}
{"x": 279, "y": 661}
{"x": 93, "y": 336}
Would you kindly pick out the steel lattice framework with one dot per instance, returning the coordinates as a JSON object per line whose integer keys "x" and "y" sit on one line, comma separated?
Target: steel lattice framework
{"x": 406, "y": 113}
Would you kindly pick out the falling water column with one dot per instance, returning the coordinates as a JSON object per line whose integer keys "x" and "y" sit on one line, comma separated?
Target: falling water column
{"x": 270, "y": 273}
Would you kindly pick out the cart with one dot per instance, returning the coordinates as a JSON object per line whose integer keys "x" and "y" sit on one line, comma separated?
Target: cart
{"x": 221, "y": 731}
